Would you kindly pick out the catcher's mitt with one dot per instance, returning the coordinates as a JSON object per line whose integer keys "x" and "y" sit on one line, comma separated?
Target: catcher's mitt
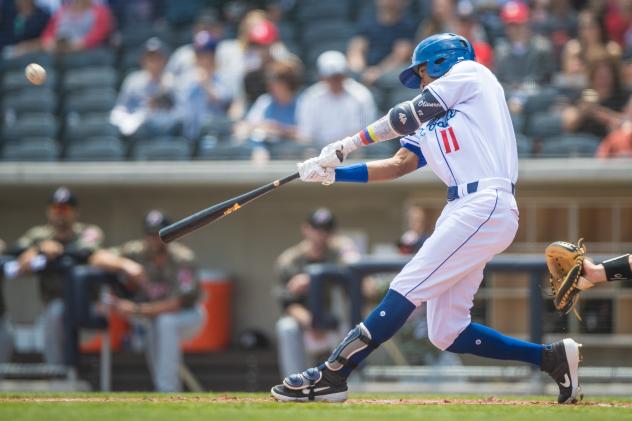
{"x": 565, "y": 263}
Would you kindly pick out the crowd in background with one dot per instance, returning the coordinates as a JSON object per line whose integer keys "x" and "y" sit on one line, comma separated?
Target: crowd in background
{"x": 281, "y": 78}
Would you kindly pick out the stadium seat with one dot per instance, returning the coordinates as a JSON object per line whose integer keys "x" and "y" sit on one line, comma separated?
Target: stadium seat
{"x": 313, "y": 51}
{"x": 87, "y": 58}
{"x": 90, "y": 101}
{"x": 90, "y": 78}
{"x": 525, "y": 145}
{"x": 312, "y": 10}
{"x": 18, "y": 64}
{"x": 541, "y": 100}
{"x": 36, "y": 125}
{"x": 89, "y": 128}
{"x": 96, "y": 149}
{"x": 329, "y": 30}
{"x": 544, "y": 124}
{"x": 290, "y": 150}
{"x": 518, "y": 120}
{"x": 219, "y": 127}
{"x": 37, "y": 149}
{"x": 16, "y": 81}
{"x": 163, "y": 149}
{"x": 30, "y": 101}
{"x": 570, "y": 145}
{"x": 209, "y": 148}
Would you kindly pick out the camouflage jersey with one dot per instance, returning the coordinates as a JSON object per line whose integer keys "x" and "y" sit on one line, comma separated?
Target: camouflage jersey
{"x": 85, "y": 240}
{"x": 177, "y": 277}
{"x": 294, "y": 260}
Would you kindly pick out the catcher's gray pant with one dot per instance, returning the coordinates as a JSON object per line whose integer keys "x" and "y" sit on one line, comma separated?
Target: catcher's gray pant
{"x": 6, "y": 342}
{"x": 164, "y": 355}
{"x": 51, "y": 321}
{"x": 292, "y": 358}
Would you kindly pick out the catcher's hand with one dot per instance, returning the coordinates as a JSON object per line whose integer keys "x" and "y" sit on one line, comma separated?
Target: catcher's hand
{"x": 565, "y": 262}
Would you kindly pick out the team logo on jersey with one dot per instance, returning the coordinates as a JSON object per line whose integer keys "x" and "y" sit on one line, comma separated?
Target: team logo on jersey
{"x": 402, "y": 118}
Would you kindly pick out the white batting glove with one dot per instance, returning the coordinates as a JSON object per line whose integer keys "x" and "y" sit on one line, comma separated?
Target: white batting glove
{"x": 335, "y": 153}
{"x": 311, "y": 172}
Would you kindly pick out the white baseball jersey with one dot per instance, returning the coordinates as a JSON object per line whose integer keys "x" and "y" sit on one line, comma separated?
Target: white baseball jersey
{"x": 474, "y": 139}
{"x": 472, "y": 142}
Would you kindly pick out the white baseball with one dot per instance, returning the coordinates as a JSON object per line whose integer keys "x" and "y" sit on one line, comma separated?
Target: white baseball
{"x": 35, "y": 73}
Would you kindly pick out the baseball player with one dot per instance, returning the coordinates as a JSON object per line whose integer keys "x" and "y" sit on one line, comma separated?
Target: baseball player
{"x": 460, "y": 127}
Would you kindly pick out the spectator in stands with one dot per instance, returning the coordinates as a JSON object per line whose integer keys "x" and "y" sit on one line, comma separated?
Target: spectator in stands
{"x": 442, "y": 19}
{"x": 144, "y": 106}
{"x": 599, "y": 110}
{"x": 383, "y": 42}
{"x": 573, "y": 77}
{"x": 167, "y": 297}
{"x": 591, "y": 39}
{"x": 415, "y": 235}
{"x": 524, "y": 58}
{"x": 295, "y": 334}
{"x": 626, "y": 70}
{"x": 556, "y": 20}
{"x": 24, "y": 29}
{"x": 203, "y": 95}
{"x": 468, "y": 26}
{"x": 272, "y": 118}
{"x": 51, "y": 251}
{"x": 6, "y": 342}
{"x": 336, "y": 106}
{"x": 619, "y": 142}
{"x": 182, "y": 60}
{"x": 618, "y": 21}
{"x": 135, "y": 13}
{"x": 78, "y": 25}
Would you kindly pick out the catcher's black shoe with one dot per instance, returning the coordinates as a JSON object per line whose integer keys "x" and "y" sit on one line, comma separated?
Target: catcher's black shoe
{"x": 312, "y": 385}
{"x": 561, "y": 361}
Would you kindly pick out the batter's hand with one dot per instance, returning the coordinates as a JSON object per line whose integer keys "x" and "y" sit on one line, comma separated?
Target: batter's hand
{"x": 311, "y": 172}
{"x": 335, "y": 153}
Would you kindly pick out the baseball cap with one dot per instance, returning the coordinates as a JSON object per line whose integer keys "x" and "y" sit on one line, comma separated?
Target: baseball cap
{"x": 155, "y": 220}
{"x": 63, "y": 196}
{"x": 515, "y": 12}
{"x": 331, "y": 63}
{"x": 263, "y": 33}
{"x": 203, "y": 41}
{"x": 322, "y": 219}
{"x": 155, "y": 45}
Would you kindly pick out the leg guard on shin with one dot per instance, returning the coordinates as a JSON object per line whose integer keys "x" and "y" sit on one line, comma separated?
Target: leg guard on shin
{"x": 358, "y": 339}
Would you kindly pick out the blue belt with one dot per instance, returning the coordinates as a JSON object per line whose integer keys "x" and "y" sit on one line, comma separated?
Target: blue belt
{"x": 453, "y": 191}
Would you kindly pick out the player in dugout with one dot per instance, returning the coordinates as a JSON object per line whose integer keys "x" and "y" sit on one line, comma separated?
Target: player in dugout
{"x": 460, "y": 127}
{"x": 166, "y": 301}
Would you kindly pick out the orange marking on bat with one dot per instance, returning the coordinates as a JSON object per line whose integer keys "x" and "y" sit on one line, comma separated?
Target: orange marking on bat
{"x": 232, "y": 209}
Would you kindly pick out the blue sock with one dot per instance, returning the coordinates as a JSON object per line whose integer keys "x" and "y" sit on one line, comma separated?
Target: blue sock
{"x": 486, "y": 342}
{"x": 383, "y": 322}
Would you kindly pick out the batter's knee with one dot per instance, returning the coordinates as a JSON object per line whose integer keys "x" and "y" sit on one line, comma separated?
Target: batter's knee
{"x": 441, "y": 337}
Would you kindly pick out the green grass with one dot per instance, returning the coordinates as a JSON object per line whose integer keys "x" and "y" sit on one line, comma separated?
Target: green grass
{"x": 209, "y": 407}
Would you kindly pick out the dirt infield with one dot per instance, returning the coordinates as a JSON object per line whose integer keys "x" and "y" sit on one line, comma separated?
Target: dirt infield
{"x": 492, "y": 400}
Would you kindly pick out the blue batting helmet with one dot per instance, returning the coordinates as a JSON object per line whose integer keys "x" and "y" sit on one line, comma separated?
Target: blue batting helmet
{"x": 440, "y": 52}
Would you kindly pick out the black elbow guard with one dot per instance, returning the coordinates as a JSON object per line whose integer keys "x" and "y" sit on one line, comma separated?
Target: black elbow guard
{"x": 402, "y": 118}
{"x": 408, "y": 116}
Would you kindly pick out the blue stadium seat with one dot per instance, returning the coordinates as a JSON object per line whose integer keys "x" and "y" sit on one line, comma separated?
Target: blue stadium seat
{"x": 88, "y": 128}
{"x": 525, "y": 145}
{"x": 18, "y": 64}
{"x": 209, "y": 148}
{"x": 104, "y": 77}
{"x": 37, "y": 149}
{"x": 541, "y": 100}
{"x": 219, "y": 127}
{"x": 312, "y": 10}
{"x": 87, "y": 58}
{"x": 163, "y": 149}
{"x": 30, "y": 101}
{"x": 570, "y": 145}
{"x": 544, "y": 124}
{"x": 96, "y": 149}
{"x": 16, "y": 81}
{"x": 35, "y": 125}
{"x": 99, "y": 100}
{"x": 290, "y": 150}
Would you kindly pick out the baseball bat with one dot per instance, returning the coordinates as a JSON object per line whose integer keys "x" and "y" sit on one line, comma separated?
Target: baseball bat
{"x": 211, "y": 214}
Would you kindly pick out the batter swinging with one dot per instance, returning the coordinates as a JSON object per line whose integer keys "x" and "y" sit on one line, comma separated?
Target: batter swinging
{"x": 460, "y": 127}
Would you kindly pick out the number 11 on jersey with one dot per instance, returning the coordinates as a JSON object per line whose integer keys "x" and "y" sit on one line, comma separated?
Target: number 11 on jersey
{"x": 449, "y": 144}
